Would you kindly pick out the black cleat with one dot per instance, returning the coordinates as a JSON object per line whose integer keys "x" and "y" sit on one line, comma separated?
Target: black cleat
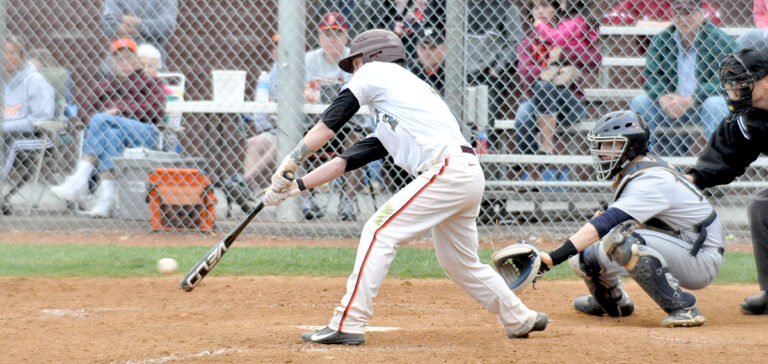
{"x": 541, "y": 323}
{"x": 330, "y": 336}
{"x": 755, "y": 304}
{"x": 588, "y": 304}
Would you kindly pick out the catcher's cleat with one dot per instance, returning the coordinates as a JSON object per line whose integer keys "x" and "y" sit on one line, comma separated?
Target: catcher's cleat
{"x": 330, "y": 336}
{"x": 755, "y": 304}
{"x": 542, "y": 320}
{"x": 587, "y": 304}
{"x": 684, "y": 317}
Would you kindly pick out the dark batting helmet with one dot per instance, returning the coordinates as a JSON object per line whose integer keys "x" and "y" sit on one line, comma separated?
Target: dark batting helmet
{"x": 626, "y": 127}
{"x": 374, "y": 45}
{"x": 738, "y": 73}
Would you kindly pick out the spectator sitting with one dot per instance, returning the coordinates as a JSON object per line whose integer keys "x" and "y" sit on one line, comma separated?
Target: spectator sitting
{"x": 145, "y": 21}
{"x": 124, "y": 111}
{"x": 551, "y": 61}
{"x": 652, "y": 13}
{"x": 150, "y": 58}
{"x": 405, "y": 18}
{"x": 431, "y": 54}
{"x": 28, "y": 96}
{"x": 756, "y": 38}
{"x": 681, "y": 73}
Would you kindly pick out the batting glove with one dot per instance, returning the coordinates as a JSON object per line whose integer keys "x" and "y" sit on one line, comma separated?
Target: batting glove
{"x": 279, "y": 180}
{"x": 273, "y": 197}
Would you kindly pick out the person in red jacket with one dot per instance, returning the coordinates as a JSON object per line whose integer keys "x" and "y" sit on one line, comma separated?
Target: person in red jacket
{"x": 124, "y": 111}
{"x": 634, "y": 12}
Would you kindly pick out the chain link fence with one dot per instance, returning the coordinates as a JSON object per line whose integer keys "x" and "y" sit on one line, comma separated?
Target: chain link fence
{"x": 166, "y": 114}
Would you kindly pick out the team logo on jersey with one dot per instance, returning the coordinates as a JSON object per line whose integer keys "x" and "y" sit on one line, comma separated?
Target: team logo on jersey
{"x": 385, "y": 118}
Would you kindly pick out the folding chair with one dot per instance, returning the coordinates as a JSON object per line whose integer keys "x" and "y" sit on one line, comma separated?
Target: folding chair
{"x": 44, "y": 138}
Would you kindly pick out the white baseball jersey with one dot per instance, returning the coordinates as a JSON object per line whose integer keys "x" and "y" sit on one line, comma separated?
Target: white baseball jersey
{"x": 413, "y": 122}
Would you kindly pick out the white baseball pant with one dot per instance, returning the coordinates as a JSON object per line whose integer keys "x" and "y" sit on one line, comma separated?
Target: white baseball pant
{"x": 446, "y": 199}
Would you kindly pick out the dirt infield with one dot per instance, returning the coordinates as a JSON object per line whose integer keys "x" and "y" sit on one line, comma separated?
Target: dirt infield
{"x": 256, "y": 319}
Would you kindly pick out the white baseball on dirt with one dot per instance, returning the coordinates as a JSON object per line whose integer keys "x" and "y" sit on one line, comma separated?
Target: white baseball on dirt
{"x": 167, "y": 266}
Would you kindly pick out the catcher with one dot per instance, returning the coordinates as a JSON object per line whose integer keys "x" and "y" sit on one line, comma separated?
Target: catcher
{"x": 658, "y": 229}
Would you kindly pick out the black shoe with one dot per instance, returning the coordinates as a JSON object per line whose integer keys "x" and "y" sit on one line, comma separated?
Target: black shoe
{"x": 347, "y": 210}
{"x": 542, "y": 320}
{"x": 330, "y": 336}
{"x": 756, "y": 304}
{"x": 311, "y": 209}
{"x": 239, "y": 192}
{"x": 587, "y": 304}
{"x": 7, "y": 210}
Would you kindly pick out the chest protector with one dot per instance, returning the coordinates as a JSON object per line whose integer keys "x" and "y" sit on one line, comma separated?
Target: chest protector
{"x": 659, "y": 224}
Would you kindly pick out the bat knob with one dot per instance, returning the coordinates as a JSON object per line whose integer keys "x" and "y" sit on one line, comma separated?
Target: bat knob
{"x": 289, "y": 175}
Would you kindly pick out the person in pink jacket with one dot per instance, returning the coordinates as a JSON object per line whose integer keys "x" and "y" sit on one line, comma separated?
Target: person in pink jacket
{"x": 756, "y": 38}
{"x": 551, "y": 60}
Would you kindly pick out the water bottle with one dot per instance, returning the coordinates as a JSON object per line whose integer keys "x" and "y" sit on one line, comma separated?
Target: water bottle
{"x": 262, "y": 88}
{"x": 481, "y": 143}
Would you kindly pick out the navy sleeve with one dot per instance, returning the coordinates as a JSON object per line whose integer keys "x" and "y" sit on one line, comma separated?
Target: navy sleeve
{"x": 341, "y": 110}
{"x": 608, "y": 219}
{"x": 363, "y": 152}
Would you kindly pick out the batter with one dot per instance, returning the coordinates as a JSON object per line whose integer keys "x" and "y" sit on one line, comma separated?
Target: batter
{"x": 415, "y": 126}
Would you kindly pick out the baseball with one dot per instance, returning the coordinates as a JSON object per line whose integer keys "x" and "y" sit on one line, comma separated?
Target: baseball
{"x": 167, "y": 266}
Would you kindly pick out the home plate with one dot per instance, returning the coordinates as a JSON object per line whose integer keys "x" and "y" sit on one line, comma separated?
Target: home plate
{"x": 367, "y": 329}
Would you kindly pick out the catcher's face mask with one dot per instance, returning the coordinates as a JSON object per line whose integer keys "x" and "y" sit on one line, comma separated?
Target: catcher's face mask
{"x": 608, "y": 154}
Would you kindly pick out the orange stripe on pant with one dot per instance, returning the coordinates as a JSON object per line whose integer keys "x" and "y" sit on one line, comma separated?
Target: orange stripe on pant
{"x": 373, "y": 241}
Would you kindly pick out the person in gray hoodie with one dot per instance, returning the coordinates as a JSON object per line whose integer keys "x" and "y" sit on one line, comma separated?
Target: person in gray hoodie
{"x": 28, "y": 96}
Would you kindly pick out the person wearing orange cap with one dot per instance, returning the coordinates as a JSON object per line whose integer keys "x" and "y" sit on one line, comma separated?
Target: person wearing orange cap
{"x": 123, "y": 111}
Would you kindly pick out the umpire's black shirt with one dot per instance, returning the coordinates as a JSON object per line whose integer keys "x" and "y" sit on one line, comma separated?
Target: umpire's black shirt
{"x": 728, "y": 152}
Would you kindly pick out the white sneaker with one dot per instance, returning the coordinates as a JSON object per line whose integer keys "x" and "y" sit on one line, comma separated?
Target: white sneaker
{"x": 104, "y": 207}
{"x": 72, "y": 189}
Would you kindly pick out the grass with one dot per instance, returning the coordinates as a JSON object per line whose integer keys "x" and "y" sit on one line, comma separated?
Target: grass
{"x": 128, "y": 261}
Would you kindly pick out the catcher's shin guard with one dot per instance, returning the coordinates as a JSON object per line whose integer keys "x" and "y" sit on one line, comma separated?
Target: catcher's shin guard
{"x": 652, "y": 276}
{"x": 609, "y": 297}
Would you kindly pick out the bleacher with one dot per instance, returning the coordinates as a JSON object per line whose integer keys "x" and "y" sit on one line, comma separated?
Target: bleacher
{"x": 507, "y": 195}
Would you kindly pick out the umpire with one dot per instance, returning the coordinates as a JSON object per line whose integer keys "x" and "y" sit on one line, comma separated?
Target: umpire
{"x": 736, "y": 143}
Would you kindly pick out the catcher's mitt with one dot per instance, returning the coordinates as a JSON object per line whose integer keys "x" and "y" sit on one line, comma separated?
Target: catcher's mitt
{"x": 518, "y": 264}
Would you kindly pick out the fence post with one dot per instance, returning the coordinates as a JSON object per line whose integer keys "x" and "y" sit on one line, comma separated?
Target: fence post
{"x": 454, "y": 57}
{"x": 3, "y": 76}
{"x": 290, "y": 94}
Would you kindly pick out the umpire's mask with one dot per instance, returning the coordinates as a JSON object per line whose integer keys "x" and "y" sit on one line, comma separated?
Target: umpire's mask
{"x": 737, "y": 81}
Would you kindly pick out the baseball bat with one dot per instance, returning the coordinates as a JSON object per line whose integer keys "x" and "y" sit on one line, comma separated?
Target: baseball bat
{"x": 213, "y": 256}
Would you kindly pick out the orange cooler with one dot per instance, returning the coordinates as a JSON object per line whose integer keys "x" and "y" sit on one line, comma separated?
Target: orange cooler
{"x": 181, "y": 199}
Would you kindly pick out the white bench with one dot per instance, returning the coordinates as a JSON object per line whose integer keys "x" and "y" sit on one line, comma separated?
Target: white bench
{"x": 650, "y": 31}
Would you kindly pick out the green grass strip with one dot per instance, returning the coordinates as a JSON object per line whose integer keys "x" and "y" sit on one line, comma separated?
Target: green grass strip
{"x": 21, "y": 260}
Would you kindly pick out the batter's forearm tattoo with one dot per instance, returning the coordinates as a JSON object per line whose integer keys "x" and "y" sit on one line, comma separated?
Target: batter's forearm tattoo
{"x": 301, "y": 152}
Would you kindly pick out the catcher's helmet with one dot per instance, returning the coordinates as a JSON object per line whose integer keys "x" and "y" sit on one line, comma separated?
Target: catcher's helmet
{"x": 627, "y": 127}
{"x": 374, "y": 45}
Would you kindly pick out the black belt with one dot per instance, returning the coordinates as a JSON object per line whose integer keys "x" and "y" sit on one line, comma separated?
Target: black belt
{"x": 467, "y": 149}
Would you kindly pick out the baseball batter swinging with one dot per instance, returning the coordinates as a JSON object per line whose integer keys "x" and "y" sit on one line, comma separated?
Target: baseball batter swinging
{"x": 658, "y": 229}
{"x": 415, "y": 126}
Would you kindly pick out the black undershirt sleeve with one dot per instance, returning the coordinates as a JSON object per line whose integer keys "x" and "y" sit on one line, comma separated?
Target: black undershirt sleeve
{"x": 341, "y": 110}
{"x": 363, "y": 152}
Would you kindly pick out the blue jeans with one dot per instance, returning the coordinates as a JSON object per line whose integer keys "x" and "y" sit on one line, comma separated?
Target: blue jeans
{"x": 755, "y": 38}
{"x": 708, "y": 115}
{"x": 547, "y": 100}
{"x": 108, "y": 135}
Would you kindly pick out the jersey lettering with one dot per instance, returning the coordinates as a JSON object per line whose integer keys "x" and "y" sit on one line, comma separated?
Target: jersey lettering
{"x": 385, "y": 118}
